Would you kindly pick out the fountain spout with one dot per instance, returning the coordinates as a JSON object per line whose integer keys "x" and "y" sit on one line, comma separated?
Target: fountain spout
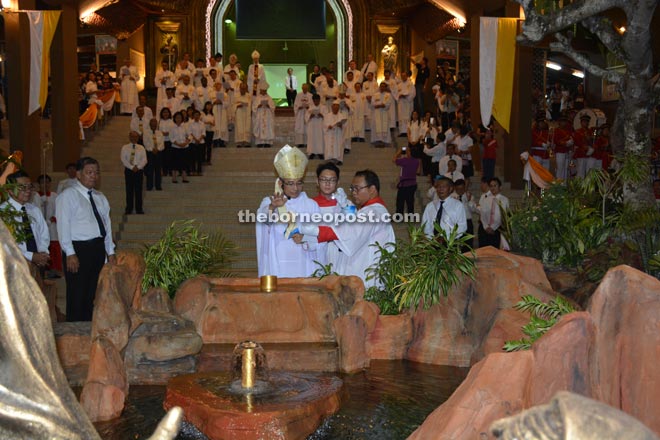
{"x": 248, "y": 364}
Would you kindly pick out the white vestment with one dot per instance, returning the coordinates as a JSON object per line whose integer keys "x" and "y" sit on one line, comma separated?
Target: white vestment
{"x": 393, "y": 96}
{"x": 232, "y": 88}
{"x": 405, "y": 101}
{"x": 300, "y": 106}
{"x": 220, "y": 104}
{"x": 202, "y": 95}
{"x": 380, "y": 127}
{"x": 243, "y": 118}
{"x": 333, "y": 136}
{"x": 314, "y": 117}
{"x": 186, "y": 94}
{"x": 263, "y": 119}
{"x": 253, "y": 74}
{"x": 358, "y": 107}
{"x": 279, "y": 256}
{"x": 129, "y": 92}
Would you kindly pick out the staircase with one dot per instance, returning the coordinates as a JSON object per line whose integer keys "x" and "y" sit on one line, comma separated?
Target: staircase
{"x": 238, "y": 179}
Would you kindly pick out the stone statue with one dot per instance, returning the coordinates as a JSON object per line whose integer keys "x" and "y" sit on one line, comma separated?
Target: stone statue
{"x": 36, "y": 401}
{"x": 570, "y": 416}
{"x": 390, "y": 54}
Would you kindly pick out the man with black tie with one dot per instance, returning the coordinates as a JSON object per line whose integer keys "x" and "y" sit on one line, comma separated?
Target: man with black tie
{"x": 291, "y": 87}
{"x": 134, "y": 158}
{"x": 446, "y": 212}
{"x": 34, "y": 247}
{"x": 85, "y": 232}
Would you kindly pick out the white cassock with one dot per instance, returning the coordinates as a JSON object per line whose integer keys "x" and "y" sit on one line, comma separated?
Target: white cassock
{"x": 369, "y": 88}
{"x": 300, "y": 106}
{"x": 220, "y": 103}
{"x": 229, "y": 67}
{"x": 380, "y": 127}
{"x": 369, "y": 66}
{"x": 357, "y": 75}
{"x": 346, "y": 110}
{"x": 279, "y": 256}
{"x": 200, "y": 72}
{"x": 358, "y": 107}
{"x": 350, "y": 87}
{"x": 355, "y": 241}
{"x": 328, "y": 94}
{"x": 203, "y": 95}
{"x": 263, "y": 119}
{"x": 405, "y": 102}
{"x": 394, "y": 90}
{"x": 180, "y": 71}
{"x": 314, "y": 117}
{"x": 232, "y": 88}
{"x": 129, "y": 92}
{"x": 243, "y": 121}
{"x": 333, "y": 136}
{"x": 255, "y": 72}
{"x": 186, "y": 95}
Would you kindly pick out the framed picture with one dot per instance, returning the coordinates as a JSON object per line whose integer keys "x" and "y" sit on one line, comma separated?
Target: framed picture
{"x": 609, "y": 90}
{"x": 446, "y": 51}
{"x": 105, "y": 44}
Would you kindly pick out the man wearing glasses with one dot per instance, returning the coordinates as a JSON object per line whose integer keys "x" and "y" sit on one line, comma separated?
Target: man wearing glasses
{"x": 34, "y": 247}
{"x": 356, "y": 240}
{"x": 278, "y": 254}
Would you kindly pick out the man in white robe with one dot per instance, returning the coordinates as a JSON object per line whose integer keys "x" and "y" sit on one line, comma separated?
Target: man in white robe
{"x": 242, "y": 109}
{"x": 345, "y": 108}
{"x": 263, "y": 118}
{"x": 358, "y": 107}
{"x": 349, "y": 83}
{"x": 369, "y": 88}
{"x": 405, "y": 101}
{"x": 256, "y": 75}
{"x": 329, "y": 92}
{"x": 164, "y": 80}
{"x": 232, "y": 86}
{"x": 353, "y": 70}
{"x": 185, "y": 67}
{"x": 333, "y": 135}
{"x": 369, "y": 66}
{"x": 278, "y": 254}
{"x": 314, "y": 119}
{"x": 392, "y": 89}
{"x": 204, "y": 93}
{"x": 356, "y": 240}
{"x": 380, "y": 129}
{"x": 220, "y": 105}
{"x": 185, "y": 92}
{"x": 129, "y": 92}
{"x": 300, "y": 107}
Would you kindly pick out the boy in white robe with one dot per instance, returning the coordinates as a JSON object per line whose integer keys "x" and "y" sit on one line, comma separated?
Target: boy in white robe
{"x": 369, "y": 88}
{"x": 405, "y": 101}
{"x": 314, "y": 120}
{"x": 333, "y": 135}
{"x": 242, "y": 109}
{"x": 278, "y": 254}
{"x": 300, "y": 106}
{"x": 263, "y": 118}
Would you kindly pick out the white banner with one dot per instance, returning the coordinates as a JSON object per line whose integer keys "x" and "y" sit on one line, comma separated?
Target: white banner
{"x": 487, "y": 64}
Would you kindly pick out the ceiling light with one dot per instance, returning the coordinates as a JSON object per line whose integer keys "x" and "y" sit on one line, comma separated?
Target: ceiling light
{"x": 578, "y": 73}
{"x": 228, "y": 21}
{"x": 553, "y": 66}
{"x": 622, "y": 29}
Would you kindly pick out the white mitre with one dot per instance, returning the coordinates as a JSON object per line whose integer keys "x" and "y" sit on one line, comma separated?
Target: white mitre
{"x": 290, "y": 163}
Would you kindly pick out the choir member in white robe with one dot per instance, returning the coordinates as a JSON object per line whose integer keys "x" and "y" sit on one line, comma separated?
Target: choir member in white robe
{"x": 199, "y": 73}
{"x": 277, "y": 254}
{"x": 129, "y": 92}
{"x": 213, "y": 64}
{"x": 232, "y": 87}
{"x": 314, "y": 119}
{"x": 353, "y": 70}
{"x": 346, "y": 110}
{"x": 349, "y": 83}
{"x": 380, "y": 104}
{"x": 171, "y": 101}
{"x": 300, "y": 106}
{"x": 220, "y": 105}
{"x": 333, "y": 135}
{"x": 184, "y": 68}
{"x": 393, "y": 91}
{"x": 369, "y": 88}
{"x": 356, "y": 240}
{"x": 358, "y": 107}
{"x": 233, "y": 59}
{"x": 329, "y": 91}
{"x": 185, "y": 92}
{"x": 405, "y": 101}
{"x": 256, "y": 75}
{"x": 263, "y": 118}
{"x": 242, "y": 108}
{"x": 203, "y": 93}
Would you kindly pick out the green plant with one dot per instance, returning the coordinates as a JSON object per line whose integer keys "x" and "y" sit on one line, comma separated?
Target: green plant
{"x": 543, "y": 317}
{"x": 419, "y": 271}
{"x": 323, "y": 271}
{"x": 183, "y": 252}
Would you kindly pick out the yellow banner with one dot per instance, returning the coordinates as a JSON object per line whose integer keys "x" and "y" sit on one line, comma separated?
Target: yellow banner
{"x": 507, "y": 29}
{"x": 50, "y": 25}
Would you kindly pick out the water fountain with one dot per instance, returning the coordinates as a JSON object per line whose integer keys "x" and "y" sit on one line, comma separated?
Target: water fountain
{"x": 251, "y": 402}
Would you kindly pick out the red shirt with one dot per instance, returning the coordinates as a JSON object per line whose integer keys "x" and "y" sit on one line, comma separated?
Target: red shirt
{"x": 562, "y": 136}
{"x": 600, "y": 147}
{"x": 490, "y": 150}
{"x": 539, "y": 137}
{"x": 583, "y": 139}
{"x": 323, "y": 202}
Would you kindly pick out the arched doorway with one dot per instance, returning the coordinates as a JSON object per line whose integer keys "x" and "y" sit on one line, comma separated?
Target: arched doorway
{"x": 341, "y": 30}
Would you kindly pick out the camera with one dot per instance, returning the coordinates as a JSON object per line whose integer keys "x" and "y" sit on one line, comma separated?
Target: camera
{"x": 404, "y": 149}
{"x": 432, "y": 121}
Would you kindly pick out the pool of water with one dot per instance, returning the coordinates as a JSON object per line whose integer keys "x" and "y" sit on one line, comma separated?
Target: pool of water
{"x": 387, "y": 401}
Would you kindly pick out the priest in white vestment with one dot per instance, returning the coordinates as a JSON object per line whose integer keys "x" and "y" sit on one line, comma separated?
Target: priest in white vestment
{"x": 356, "y": 240}
{"x": 278, "y": 254}
{"x": 256, "y": 75}
{"x": 333, "y": 134}
{"x": 405, "y": 101}
{"x": 232, "y": 86}
{"x": 380, "y": 123}
{"x": 263, "y": 118}
{"x": 314, "y": 118}
{"x": 242, "y": 109}
{"x": 129, "y": 92}
{"x": 393, "y": 91}
{"x": 358, "y": 107}
{"x": 300, "y": 107}
{"x": 220, "y": 104}
{"x": 164, "y": 80}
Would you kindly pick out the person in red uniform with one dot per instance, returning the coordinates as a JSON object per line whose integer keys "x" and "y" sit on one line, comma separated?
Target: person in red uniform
{"x": 490, "y": 154}
{"x": 562, "y": 141}
{"x": 584, "y": 139}
{"x": 541, "y": 142}
{"x": 602, "y": 156}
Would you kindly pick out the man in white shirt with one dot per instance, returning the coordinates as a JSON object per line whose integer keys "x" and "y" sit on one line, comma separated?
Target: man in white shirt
{"x": 164, "y": 80}
{"x": 445, "y": 211}
{"x": 352, "y": 68}
{"x": 333, "y": 134}
{"x": 443, "y": 163}
{"x": 369, "y": 66}
{"x": 291, "y": 84}
{"x": 204, "y": 93}
{"x": 139, "y": 122}
{"x": 490, "y": 206}
{"x": 34, "y": 246}
{"x": 154, "y": 144}
{"x": 314, "y": 121}
{"x": 70, "y": 180}
{"x": 85, "y": 233}
{"x": 465, "y": 197}
{"x": 452, "y": 173}
{"x": 134, "y": 158}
